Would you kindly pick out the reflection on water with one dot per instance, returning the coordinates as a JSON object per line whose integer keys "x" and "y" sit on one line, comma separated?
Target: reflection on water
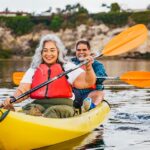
{"x": 7, "y": 67}
{"x": 113, "y": 68}
{"x": 118, "y": 67}
{"x": 128, "y": 125}
{"x": 88, "y": 141}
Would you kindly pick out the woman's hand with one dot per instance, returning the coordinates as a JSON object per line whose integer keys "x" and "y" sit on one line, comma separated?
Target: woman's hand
{"x": 7, "y": 104}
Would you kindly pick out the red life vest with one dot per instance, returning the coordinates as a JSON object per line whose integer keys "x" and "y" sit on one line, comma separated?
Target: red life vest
{"x": 92, "y": 87}
{"x": 59, "y": 88}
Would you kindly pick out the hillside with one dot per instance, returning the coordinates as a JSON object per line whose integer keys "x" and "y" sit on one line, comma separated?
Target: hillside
{"x": 98, "y": 35}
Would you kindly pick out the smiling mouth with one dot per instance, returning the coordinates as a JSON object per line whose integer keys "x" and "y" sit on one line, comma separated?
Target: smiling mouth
{"x": 81, "y": 58}
{"x": 48, "y": 58}
{"x": 81, "y": 55}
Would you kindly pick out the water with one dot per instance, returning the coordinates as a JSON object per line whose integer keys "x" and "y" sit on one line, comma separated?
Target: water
{"x": 128, "y": 124}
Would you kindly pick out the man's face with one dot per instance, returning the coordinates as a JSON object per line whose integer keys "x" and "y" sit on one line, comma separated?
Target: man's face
{"x": 82, "y": 51}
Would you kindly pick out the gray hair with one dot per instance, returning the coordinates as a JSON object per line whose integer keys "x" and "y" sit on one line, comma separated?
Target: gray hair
{"x": 37, "y": 58}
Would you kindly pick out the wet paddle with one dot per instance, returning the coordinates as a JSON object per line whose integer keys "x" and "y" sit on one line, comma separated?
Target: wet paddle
{"x": 124, "y": 42}
{"x": 137, "y": 78}
{"x": 17, "y": 76}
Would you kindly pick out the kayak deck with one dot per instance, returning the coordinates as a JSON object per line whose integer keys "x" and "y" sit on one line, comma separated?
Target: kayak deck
{"x": 21, "y": 131}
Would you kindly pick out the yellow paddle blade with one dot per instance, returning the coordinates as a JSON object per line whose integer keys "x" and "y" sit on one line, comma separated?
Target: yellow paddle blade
{"x": 17, "y": 76}
{"x": 126, "y": 40}
{"x": 137, "y": 78}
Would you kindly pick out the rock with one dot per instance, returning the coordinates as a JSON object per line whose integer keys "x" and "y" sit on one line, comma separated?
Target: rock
{"x": 6, "y": 38}
{"x": 81, "y": 31}
{"x": 144, "y": 47}
{"x": 98, "y": 35}
{"x": 97, "y": 42}
{"x": 100, "y": 29}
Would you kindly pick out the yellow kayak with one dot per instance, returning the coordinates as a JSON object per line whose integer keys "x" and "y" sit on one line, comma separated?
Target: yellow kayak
{"x": 19, "y": 131}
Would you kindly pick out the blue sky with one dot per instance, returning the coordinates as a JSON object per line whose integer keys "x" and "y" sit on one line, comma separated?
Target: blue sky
{"x": 38, "y": 6}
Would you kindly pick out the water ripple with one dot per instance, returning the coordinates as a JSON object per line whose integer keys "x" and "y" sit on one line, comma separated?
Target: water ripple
{"x": 124, "y": 128}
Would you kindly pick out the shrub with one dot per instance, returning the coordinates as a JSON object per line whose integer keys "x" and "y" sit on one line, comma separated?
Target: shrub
{"x": 56, "y": 22}
{"x": 141, "y": 17}
{"x": 19, "y": 24}
{"x": 112, "y": 18}
{"x": 5, "y": 53}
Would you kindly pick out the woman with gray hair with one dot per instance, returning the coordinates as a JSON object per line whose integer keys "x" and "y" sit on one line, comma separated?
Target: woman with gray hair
{"x": 54, "y": 99}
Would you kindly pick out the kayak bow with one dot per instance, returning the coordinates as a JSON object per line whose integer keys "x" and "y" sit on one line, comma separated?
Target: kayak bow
{"x": 30, "y": 132}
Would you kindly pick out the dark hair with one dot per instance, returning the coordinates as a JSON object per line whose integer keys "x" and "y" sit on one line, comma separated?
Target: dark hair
{"x": 83, "y": 42}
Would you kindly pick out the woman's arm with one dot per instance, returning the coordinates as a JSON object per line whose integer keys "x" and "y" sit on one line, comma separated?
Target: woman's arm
{"x": 23, "y": 87}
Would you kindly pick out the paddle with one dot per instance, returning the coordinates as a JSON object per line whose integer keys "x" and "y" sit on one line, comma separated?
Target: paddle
{"x": 17, "y": 76}
{"x": 136, "y": 78}
{"x": 124, "y": 42}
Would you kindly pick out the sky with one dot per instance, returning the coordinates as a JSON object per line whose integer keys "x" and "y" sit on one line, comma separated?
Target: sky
{"x": 38, "y": 6}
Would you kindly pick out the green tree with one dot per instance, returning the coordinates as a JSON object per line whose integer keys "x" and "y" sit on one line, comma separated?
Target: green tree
{"x": 115, "y": 7}
{"x": 20, "y": 24}
{"x": 68, "y": 9}
{"x": 56, "y": 22}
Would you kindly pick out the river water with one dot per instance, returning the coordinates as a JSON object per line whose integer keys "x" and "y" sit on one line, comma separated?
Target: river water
{"x": 128, "y": 124}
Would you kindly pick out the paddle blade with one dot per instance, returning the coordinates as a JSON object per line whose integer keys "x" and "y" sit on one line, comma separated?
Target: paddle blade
{"x": 17, "y": 76}
{"x": 137, "y": 78}
{"x": 126, "y": 40}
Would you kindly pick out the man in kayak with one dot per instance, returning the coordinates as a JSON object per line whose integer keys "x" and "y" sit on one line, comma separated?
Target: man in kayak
{"x": 89, "y": 97}
{"x": 54, "y": 99}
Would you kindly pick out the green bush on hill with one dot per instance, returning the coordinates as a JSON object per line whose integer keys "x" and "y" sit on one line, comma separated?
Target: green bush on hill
{"x": 56, "y": 22}
{"x": 19, "y": 24}
{"x": 45, "y": 20}
{"x": 112, "y": 18}
{"x": 5, "y": 53}
{"x": 141, "y": 17}
{"x": 71, "y": 19}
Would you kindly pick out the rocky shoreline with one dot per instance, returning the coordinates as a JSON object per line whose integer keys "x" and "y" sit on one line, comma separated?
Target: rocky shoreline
{"x": 98, "y": 35}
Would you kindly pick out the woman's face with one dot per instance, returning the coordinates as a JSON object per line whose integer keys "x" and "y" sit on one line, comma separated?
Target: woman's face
{"x": 49, "y": 53}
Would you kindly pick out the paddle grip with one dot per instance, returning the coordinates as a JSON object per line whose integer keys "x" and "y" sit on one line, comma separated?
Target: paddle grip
{"x": 1, "y": 105}
{"x": 12, "y": 99}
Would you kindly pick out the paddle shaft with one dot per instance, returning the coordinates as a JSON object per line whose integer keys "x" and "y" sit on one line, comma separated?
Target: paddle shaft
{"x": 13, "y": 99}
{"x": 118, "y": 78}
{"x": 53, "y": 79}
{"x": 108, "y": 78}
